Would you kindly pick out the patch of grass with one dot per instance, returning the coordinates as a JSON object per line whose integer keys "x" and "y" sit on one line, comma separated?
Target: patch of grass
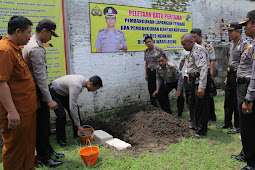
{"x": 210, "y": 152}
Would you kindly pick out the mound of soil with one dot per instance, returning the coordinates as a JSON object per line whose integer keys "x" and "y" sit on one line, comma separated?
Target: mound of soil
{"x": 145, "y": 127}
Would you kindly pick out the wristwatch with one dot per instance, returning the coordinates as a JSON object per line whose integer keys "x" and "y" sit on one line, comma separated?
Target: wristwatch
{"x": 246, "y": 101}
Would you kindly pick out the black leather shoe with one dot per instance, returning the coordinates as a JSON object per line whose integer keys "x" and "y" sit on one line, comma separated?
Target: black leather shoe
{"x": 50, "y": 163}
{"x": 234, "y": 131}
{"x": 62, "y": 143}
{"x": 238, "y": 158}
{"x": 191, "y": 127}
{"x": 248, "y": 168}
{"x": 224, "y": 127}
{"x": 58, "y": 155}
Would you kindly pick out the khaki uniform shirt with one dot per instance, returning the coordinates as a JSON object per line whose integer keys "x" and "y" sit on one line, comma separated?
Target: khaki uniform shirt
{"x": 198, "y": 63}
{"x": 210, "y": 51}
{"x": 236, "y": 52}
{"x": 169, "y": 75}
{"x": 72, "y": 86}
{"x": 250, "y": 52}
{"x": 151, "y": 56}
{"x": 14, "y": 71}
{"x": 245, "y": 66}
{"x": 35, "y": 54}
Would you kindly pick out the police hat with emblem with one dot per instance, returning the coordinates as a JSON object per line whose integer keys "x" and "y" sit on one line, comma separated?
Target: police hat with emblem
{"x": 250, "y": 16}
{"x": 233, "y": 26}
{"x": 110, "y": 12}
{"x": 49, "y": 25}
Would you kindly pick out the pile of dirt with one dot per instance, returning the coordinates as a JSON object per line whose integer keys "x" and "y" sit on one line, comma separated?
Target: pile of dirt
{"x": 145, "y": 127}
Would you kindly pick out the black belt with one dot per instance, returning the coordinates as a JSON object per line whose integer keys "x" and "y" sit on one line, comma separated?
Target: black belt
{"x": 194, "y": 75}
{"x": 243, "y": 80}
{"x": 151, "y": 69}
{"x": 232, "y": 69}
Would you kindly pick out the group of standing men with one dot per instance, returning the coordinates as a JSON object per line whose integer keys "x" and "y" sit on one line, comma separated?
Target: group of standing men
{"x": 163, "y": 76}
{"x": 25, "y": 97}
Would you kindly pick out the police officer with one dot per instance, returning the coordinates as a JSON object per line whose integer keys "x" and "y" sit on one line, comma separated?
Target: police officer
{"x": 238, "y": 45}
{"x": 197, "y": 69}
{"x": 168, "y": 78}
{"x": 110, "y": 39}
{"x": 246, "y": 96}
{"x": 197, "y": 35}
{"x": 35, "y": 54}
{"x": 150, "y": 58}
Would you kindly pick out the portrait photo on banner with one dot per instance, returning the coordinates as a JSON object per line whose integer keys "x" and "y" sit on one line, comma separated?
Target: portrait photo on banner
{"x": 116, "y": 28}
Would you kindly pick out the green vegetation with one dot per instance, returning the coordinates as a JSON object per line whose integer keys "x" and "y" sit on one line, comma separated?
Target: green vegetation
{"x": 210, "y": 152}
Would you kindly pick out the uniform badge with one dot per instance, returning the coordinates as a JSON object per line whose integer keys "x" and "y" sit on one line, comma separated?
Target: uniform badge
{"x": 156, "y": 53}
{"x": 168, "y": 70}
{"x": 198, "y": 54}
{"x": 238, "y": 47}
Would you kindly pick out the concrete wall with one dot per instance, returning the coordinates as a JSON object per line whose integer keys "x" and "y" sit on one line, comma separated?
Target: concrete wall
{"x": 123, "y": 73}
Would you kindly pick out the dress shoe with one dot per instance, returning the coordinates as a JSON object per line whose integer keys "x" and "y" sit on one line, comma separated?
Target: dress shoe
{"x": 196, "y": 136}
{"x": 62, "y": 143}
{"x": 224, "y": 127}
{"x": 58, "y": 155}
{"x": 248, "y": 168}
{"x": 234, "y": 131}
{"x": 191, "y": 127}
{"x": 50, "y": 163}
{"x": 238, "y": 158}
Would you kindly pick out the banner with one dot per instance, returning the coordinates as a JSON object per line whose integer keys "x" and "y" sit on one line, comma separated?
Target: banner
{"x": 36, "y": 10}
{"x": 123, "y": 28}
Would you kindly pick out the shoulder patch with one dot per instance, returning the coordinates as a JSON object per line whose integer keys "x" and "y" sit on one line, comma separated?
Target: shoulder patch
{"x": 159, "y": 49}
{"x": 198, "y": 54}
{"x": 120, "y": 31}
{"x": 244, "y": 41}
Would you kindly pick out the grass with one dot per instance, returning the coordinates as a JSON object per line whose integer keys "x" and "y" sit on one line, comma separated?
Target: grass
{"x": 210, "y": 152}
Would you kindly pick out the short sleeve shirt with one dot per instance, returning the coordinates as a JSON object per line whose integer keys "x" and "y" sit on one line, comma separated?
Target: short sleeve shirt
{"x": 14, "y": 71}
{"x": 151, "y": 56}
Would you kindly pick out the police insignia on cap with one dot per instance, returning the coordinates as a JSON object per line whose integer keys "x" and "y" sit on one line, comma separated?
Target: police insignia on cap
{"x": 109, "y": 10}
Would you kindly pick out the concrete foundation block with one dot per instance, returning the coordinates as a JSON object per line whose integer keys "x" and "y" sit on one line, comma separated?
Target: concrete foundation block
{"x": 118, "y": 144}
{"x": 102, "y": 136}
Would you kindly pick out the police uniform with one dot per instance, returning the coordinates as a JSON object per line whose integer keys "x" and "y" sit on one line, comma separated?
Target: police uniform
{"x": 197, "y": 69}
{"x": 230, "y": 104}
{"x": 151, "y": 58}
{"x": 35, "y": 54}
{"x": 247, "y": 121}
{"x": 211, "y": 56}
{"x": 168, "y": 79}
{"x": 109, "y": 41}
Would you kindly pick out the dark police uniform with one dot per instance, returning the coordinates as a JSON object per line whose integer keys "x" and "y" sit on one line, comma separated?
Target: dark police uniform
{"x": 151, "y": 58}
{"x": 168, "y": 79}
{"x": 230, "y": 104}
{"x": 197, "y": 71}
{"x": 246, "y": 89}
{"x": 211, "y": 56}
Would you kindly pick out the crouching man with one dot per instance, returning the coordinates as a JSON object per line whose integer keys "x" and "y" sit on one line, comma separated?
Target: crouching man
{"x": 168, "y": 77}
{"x": 65, "y": 91}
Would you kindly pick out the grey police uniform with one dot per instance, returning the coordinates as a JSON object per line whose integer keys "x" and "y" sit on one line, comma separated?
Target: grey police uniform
{"x": 35, "y": 54}
{"x": 197, "y": 70}
{"x": 151, "y": 58}
{"x": 211, "y": 56}
{"x": 109, "y": 41}
{"x": 167, "y": 79}
{"x": 230, "y": 104}
{"x": 246, "y": 89}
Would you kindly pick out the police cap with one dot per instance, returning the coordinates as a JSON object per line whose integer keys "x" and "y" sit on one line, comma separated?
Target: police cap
{"x": 250, "y": 16}
{"x": 234, "y": 26}
{"x": 110, "y": 12}
{"x": 49, "y": 25}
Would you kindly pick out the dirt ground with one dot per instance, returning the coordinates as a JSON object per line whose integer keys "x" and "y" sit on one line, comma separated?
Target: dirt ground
{"x": 145, "y": 127}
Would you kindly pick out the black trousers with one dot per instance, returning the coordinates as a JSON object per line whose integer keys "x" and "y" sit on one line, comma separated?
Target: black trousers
{"x": 163, "y": 99}
{"x": 152, "y": 85}
{"x": 230, "y": 104}
{"x": 63, "y": 104}
{"x": 212, "y": 115}
{"x": 186, "y": 88}
{"x": 43, "y": 146}
{"x": 247, "y": 126}
{"x": 198, "y": 108}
